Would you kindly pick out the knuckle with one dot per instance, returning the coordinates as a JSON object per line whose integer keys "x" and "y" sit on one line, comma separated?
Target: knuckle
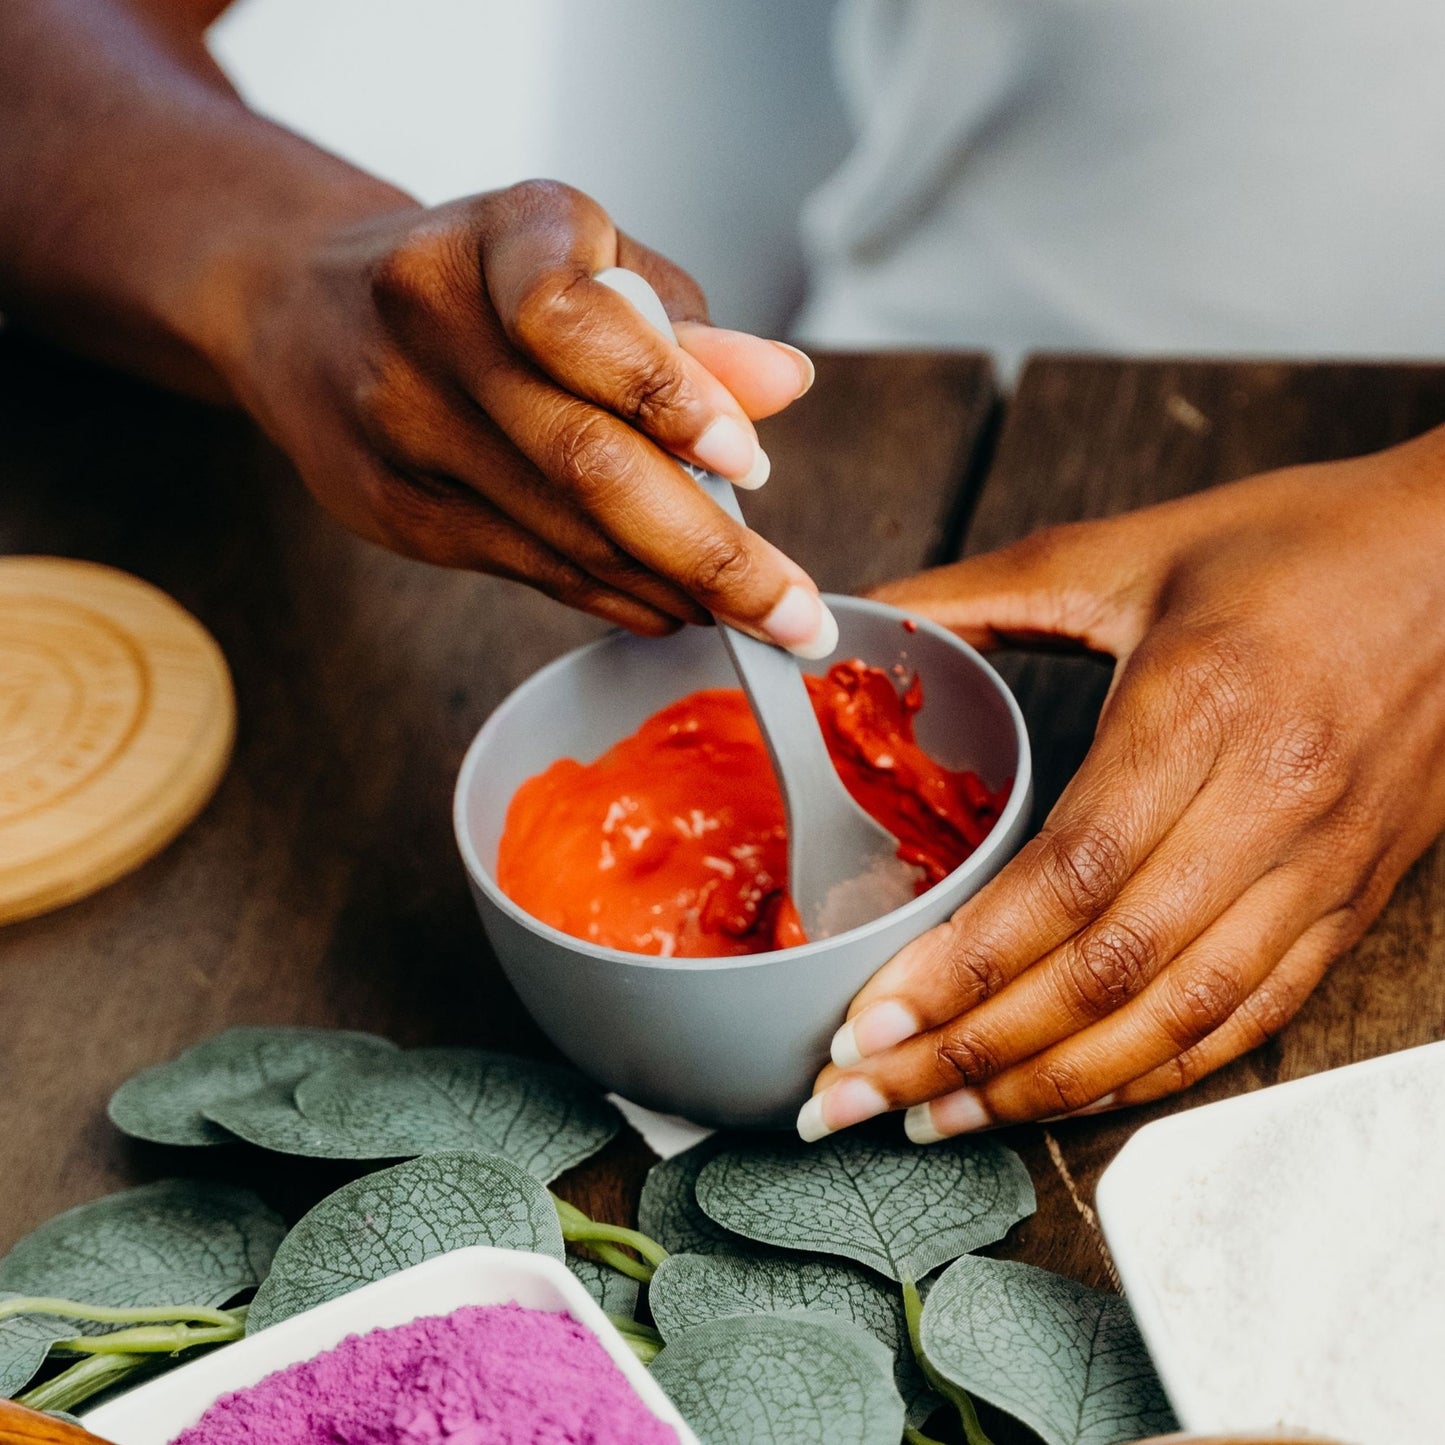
{"x": 968, "y": 1057}
{"x": 971, "y": 973}
{"x": 1182, "y": 1072}
{"x": 606, "y": 561}
{"x": 376, "y": 488}
{"x": 571, "y": 587}
{"x": 418, "y": 275}
{"x": 547, "y": 314}
{"x": 1199, "y": 1002}
{"x": 387, "y": 402}
{"x": 1303, "y": 763}
{"x": 1365, "y": 897}
{"x": 415, "y": 519}
{"x": 718, "y": 568}
{"x": 1064, "y": 1086}
{"x": 396, "y": 278}
{"x": 1084, "y": 868}
{"x": 1264, "y": 1013}
{"x": 538, "y": 197}
{"x": 655, "y": 396}
{"x": 1110, "y": 964}
{"x": 590, "y": 455}
{"x": 1217, "y": 684}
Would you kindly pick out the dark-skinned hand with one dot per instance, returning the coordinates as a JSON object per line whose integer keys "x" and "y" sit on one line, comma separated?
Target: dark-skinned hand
{"x": 1269, "y": 761}
{"x": 453, "y": 384}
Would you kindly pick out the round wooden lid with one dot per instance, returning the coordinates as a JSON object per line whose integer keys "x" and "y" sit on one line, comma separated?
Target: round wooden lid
{"x": 116, "y": 723}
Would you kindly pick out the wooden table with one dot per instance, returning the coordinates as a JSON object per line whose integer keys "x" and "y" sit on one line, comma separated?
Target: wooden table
{"x": 322, "y": 884}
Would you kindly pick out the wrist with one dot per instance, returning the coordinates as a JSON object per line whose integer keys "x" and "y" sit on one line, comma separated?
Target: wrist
{"x": 262, "y": 256}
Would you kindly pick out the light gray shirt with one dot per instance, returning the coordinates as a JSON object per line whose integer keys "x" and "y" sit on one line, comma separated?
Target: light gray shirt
{"x": 1137, "y": 175}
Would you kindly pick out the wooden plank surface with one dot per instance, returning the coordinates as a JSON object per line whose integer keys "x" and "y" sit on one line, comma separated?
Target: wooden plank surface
{"x": 322, "y": 884}
{"x": 1090, "y": 438}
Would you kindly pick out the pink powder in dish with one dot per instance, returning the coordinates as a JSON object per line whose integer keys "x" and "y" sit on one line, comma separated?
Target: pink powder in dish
{"x": 482, "y": 1375}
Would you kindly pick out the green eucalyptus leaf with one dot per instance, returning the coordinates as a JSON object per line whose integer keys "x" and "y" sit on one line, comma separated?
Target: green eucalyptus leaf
{"x": 397, "y": 1217}
{"x": 871, "y": 1197}
{"x": 179, "y": 1241}
{"x": 668, "y": 1210}
{"x": 690, "y": 1289}
{"x": 172, "y": 1103}
{"x": 540, "y": 1116}
{"x": 791, "y": 1379}
{"x": 1064, "y": 1359}
{"x": 269, "y": 1119}
{"x": 25, "y": 1341}
{"x": 614, "y": 1291}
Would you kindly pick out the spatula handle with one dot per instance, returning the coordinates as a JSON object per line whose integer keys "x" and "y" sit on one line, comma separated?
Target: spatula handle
{"x": 638, "y": 291}
{"x": 769, "y": 675}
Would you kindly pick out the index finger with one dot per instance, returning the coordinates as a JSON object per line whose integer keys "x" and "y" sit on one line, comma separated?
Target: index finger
{"x": 642, "y": 500}
{"x": 1122, "y": 802}
{"x": 592, "y": 342}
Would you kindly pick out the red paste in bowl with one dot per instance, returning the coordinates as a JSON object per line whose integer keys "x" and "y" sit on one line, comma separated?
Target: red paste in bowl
{"x": 674, "y": 842}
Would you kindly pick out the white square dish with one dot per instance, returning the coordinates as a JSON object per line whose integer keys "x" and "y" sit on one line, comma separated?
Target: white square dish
{"x": 1284, "y": 1253}
{"x": 155, "y": 1413}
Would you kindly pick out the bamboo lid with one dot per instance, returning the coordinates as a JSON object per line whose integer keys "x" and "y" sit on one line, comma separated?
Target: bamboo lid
{"x": 116, "y": 723}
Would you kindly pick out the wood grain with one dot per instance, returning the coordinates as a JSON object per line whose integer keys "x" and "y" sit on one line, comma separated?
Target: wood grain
{"x": 116, "y": 723}
{"x": 1087, "y": 438}
{"x": 19, "y": 1426}
{"x": 322, "y": 885}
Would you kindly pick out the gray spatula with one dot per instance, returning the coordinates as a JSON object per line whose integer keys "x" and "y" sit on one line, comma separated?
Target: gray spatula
{"x": 843, "y": 868}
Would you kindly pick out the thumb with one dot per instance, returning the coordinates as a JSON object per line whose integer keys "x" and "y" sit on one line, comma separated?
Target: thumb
{"x": 762, "y": 376}
{"x": 1075, "y": 586}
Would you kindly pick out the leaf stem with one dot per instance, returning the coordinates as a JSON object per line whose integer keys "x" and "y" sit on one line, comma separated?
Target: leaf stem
{"x": 610, "y": 1255}
{"x": 109, "y": 1315}
{"x": 629, "y": 1326}
{"x": 596, "y": 1233}
{"x": 81, "y": 1381}
{"x": 153, "y": 1339}
{"x": 645, "y": 1350}
{"x": 644, "y": 1341}
{"x": 973, "y": 1432}
{"x": 912, "y": 1436}
{"x": 578, "y": 1228}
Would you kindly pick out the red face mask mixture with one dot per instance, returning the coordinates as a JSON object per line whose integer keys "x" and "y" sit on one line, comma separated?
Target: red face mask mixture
{"x": 674, "y": 842}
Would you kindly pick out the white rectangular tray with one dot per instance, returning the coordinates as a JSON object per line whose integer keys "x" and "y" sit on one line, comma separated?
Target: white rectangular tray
{"x": 155, "y": 1413}
{"x": 1284, "y": 1253}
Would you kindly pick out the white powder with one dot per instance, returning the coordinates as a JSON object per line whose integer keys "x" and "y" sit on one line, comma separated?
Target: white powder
{"x": 889, "y": 883}
{"x": 1286, "y": 1254}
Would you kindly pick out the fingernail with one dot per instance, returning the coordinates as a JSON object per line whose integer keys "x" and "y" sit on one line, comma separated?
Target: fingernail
{"x": 1099, "y": 1106}
{"x": 918, "y": 1125}
{"x": 848, "y": 1102}
{"x": 806, "y": 369}
{"x": 878, "y": 1027}
{"x": 960, "y": 1112}
{"x": 760, "y": 471}
{"x": 727, "y": 449}
{"x": 802, "y": 623}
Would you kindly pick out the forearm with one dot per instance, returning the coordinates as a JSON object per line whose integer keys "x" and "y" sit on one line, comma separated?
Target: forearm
{"x": 142, "y": 203}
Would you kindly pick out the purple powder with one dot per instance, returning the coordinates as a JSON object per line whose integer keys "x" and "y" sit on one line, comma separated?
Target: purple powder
{"x": 483, "y": 1375}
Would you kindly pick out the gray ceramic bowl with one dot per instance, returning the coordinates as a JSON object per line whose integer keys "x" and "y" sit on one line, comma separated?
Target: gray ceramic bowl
{"x": 725, "y": 1041}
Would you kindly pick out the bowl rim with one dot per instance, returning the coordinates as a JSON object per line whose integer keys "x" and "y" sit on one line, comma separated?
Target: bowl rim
{"x": 1020, "y": 798}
